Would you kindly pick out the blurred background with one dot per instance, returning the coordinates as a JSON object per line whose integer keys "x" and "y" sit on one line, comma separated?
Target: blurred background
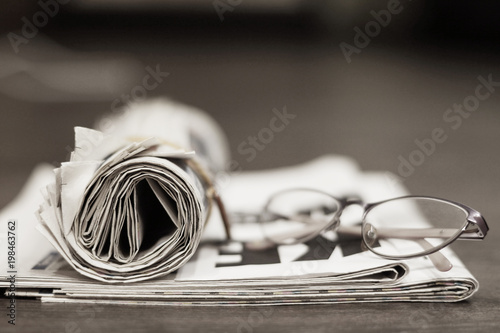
{"x": 363, "y": 79}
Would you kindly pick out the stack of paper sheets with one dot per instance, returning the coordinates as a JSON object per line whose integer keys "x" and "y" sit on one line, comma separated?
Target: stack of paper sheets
{"x": 321, "y": 271}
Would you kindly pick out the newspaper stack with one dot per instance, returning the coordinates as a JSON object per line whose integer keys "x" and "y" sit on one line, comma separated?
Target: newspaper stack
{"x": 228, "y": 273}
{"x": 220, "y": 272}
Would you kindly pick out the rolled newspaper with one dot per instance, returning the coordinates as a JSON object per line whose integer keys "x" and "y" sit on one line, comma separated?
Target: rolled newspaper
{"x": 132, "y": 202}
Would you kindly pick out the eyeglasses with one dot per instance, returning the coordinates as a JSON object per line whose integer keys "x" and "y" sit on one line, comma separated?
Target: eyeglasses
{"x": 399, "y": 228}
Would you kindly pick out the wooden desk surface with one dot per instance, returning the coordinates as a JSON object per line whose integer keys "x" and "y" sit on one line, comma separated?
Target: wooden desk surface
{"x": 373, "y": 109}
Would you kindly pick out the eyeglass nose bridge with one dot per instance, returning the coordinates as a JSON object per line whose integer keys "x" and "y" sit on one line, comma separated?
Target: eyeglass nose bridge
{"x": 352, "y": 201}
{"x": 345, "y": 203}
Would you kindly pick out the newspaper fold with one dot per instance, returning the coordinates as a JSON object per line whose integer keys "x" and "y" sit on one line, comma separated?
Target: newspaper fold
{"x": 132, "y": 202}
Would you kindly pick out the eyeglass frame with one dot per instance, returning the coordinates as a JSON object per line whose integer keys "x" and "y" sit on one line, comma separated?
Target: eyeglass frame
{"x": 473, "y": 218}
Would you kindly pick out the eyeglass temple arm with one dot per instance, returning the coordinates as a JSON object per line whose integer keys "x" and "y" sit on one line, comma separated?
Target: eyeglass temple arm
{"x": 437, "y": 258}
{"x": 412, "y": 233}
{"x": 401, "y": 233}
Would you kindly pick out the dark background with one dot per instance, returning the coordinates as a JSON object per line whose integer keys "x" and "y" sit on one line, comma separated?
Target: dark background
{"x": 260, "y": 57}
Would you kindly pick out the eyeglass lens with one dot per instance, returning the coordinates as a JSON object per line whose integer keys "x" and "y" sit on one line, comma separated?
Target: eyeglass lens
{"x": 412, "y": 226}
{"x": 295, "y": 216}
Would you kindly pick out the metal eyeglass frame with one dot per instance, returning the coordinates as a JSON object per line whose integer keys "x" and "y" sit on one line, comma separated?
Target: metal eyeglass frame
{"x": 474, "y": 228}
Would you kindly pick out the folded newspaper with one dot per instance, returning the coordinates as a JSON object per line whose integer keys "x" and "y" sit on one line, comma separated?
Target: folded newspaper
{"x": 132, "y": 202}
{"x": 191, "y": 262}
